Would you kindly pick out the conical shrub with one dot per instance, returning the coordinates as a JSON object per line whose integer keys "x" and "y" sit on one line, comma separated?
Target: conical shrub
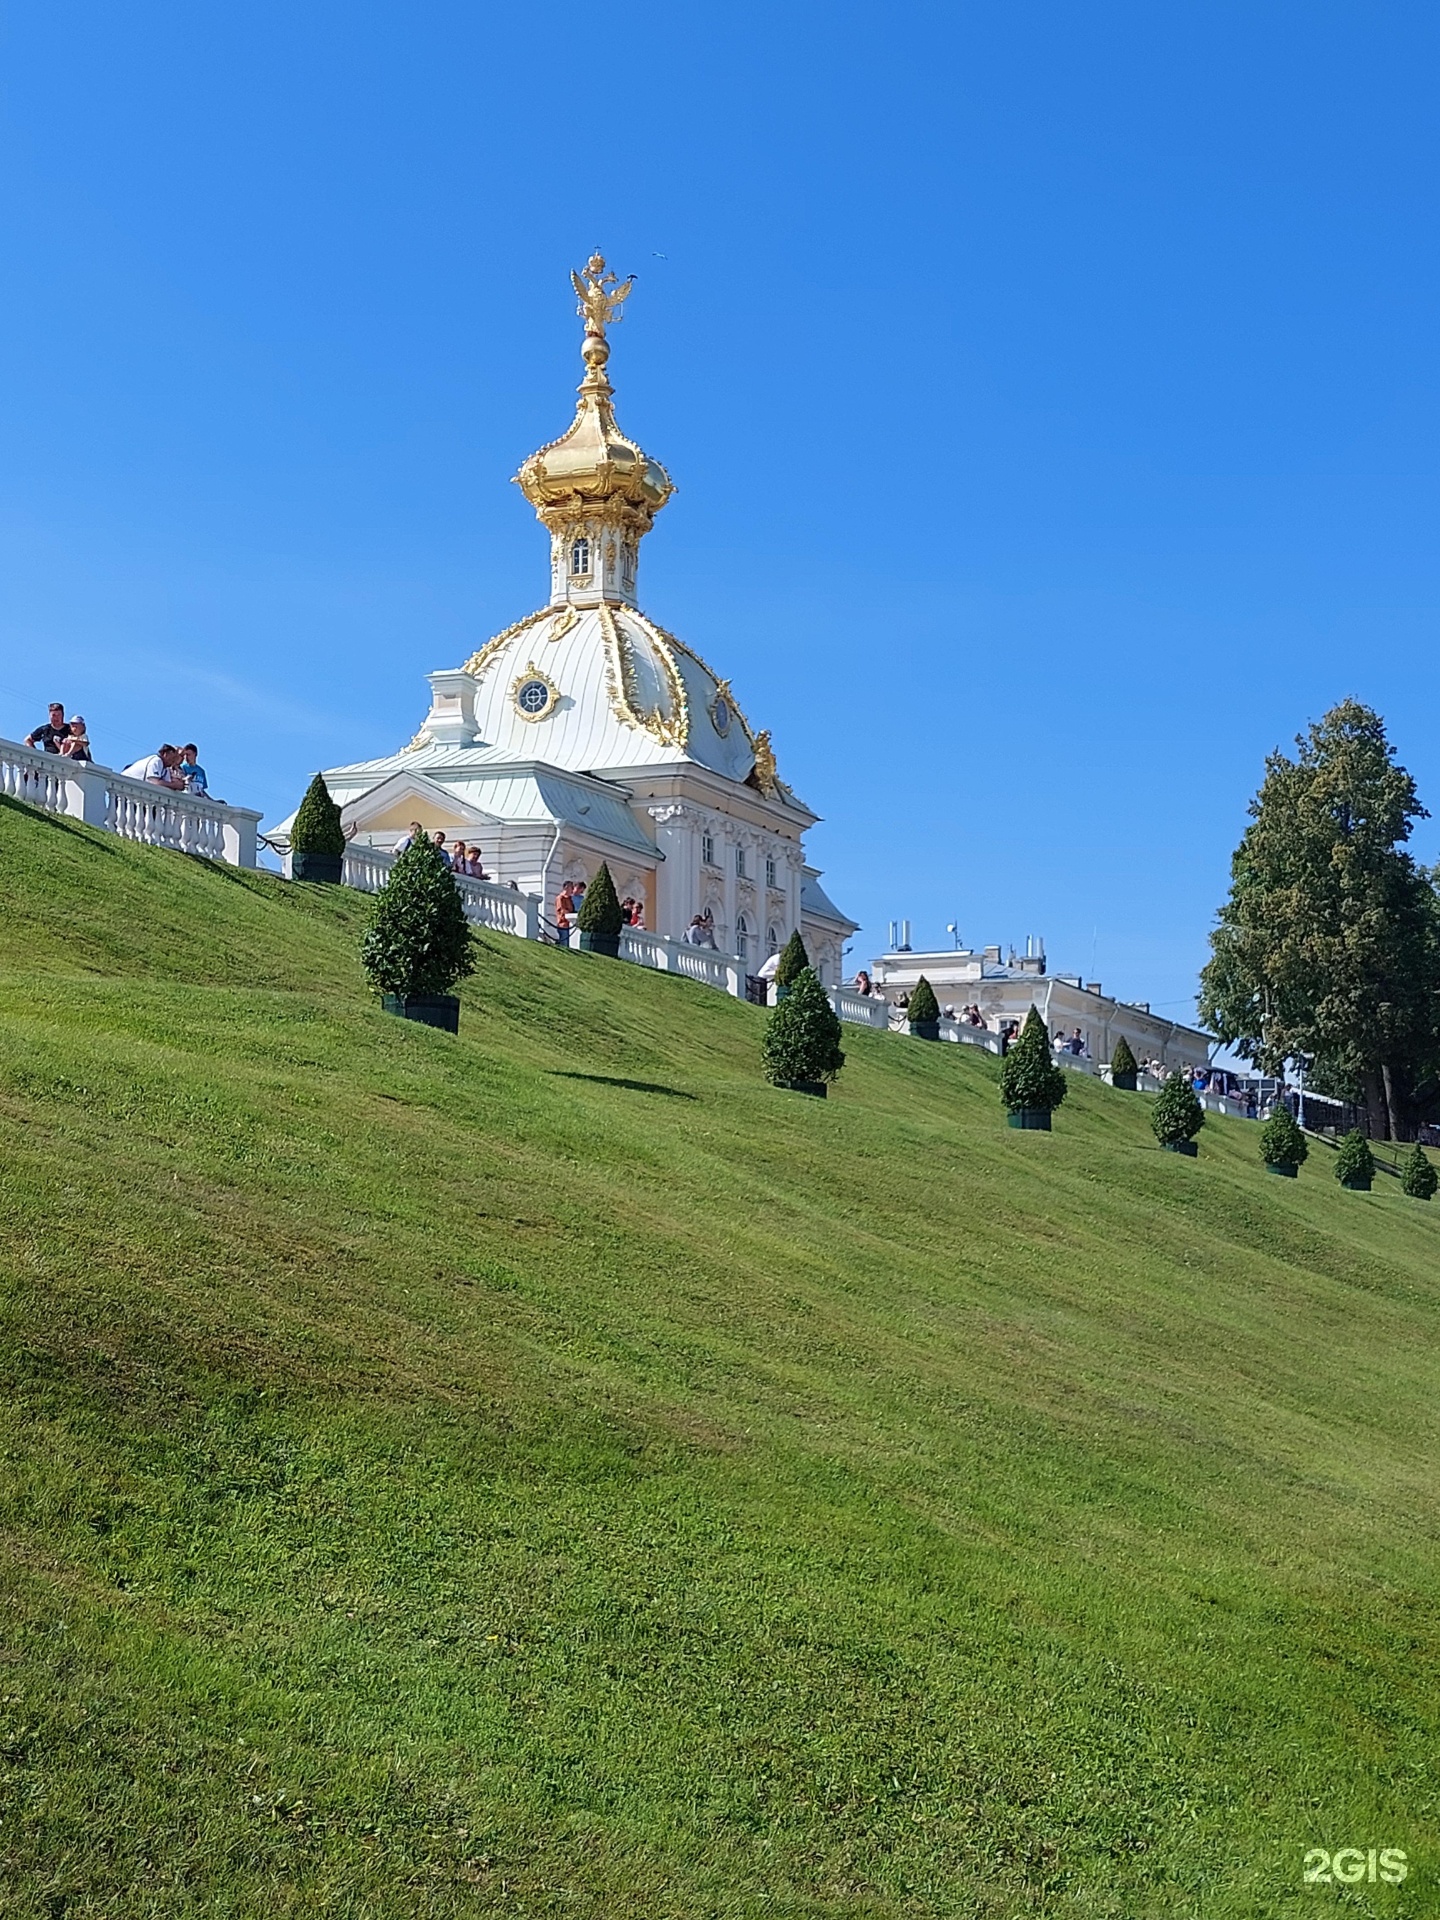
{"x": 316, "y": 827}
{"x": 1355, "y": 1163}
{"x": 924, "y": 1008}
{"x": 1177, "y": 1115}
{"x": 1417, "y": 1177}
{"x": 1029, "y": 1077}
{"x": 801, "y": 1044}
{"x": 793, "y": 960}
{"x": 418, "y": 941}
{"x": 1282, "y": 1144}
{"x": 600, "y": 910}
{"x": 1122, "y": 1060}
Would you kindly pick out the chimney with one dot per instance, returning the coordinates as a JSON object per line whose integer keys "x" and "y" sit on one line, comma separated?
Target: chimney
{"x": 1092, "y": 986}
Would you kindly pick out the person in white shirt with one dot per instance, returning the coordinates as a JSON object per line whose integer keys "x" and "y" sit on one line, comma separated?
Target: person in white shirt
{"x": 157, "y": 769}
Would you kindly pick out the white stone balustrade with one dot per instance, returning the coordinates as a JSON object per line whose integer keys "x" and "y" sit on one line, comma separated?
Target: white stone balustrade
{"x": 502, "y": 909}
{"x": 129, "y": 808}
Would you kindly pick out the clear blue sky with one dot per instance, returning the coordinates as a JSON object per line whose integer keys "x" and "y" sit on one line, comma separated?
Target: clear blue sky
{"x": 1051, "y": 391}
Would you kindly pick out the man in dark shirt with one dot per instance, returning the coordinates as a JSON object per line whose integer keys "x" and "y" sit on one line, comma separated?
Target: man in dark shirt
{"x": 52, "y": 733}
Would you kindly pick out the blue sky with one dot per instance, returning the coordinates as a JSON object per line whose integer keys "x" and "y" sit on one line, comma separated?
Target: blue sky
{"x": 1051, "y": 392}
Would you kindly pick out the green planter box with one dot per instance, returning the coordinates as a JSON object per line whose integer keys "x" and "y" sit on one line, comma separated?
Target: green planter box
{"x": 1030, "y": 1119}
{"x": 1126, "y": 1082}
{"x": 606, "y": 943}
{"x": 324, "y": 867}
{"x": 1356, "y": 1185}
{"x": 817, "y": 1089}
{"x": 925, "y": 1029}
{"x": 431, "y": 1009}
{"x": 1285, "y": 1173}
{"x": 1187, "y": 1147}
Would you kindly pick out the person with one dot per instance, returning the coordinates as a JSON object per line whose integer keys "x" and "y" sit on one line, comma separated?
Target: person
{"x": 160, "y": 769}
{"x": 577, "y": 892}
{"x": 565, "y": 910}
{"x": 698, "y": 934}
{"x": 863, "y": 983}
{"x": 627, "y": 907}
{"x": 76, "y": 744}
{"x": 637, "y": 915}
{"x": 51, "y": 735}
{"x": 191, "y": 771}
{"x": 439, "y": 838}
{"x": 459, "y": 858}
{"x": 417, "y": 832}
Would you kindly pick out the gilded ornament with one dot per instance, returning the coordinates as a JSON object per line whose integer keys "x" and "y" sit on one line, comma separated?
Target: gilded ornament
{"x": 476, "y": 665}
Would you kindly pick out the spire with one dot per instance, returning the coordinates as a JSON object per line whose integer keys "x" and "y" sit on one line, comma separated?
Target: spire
{"x": 595, "y": 490}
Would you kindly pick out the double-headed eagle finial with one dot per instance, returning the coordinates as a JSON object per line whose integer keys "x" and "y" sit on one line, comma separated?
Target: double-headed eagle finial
{"x": 601, "y": 294}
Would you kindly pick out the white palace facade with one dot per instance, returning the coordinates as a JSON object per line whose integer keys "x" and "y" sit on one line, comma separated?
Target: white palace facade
{"x": 587, "y": 732}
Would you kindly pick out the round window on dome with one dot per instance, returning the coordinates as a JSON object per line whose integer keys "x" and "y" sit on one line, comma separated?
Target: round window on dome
{"x": 720, "y": 715}
{"x": 534, "y": 696}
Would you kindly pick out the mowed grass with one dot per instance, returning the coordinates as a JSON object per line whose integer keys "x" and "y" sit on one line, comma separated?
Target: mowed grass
{"x": 550, "y": 1472}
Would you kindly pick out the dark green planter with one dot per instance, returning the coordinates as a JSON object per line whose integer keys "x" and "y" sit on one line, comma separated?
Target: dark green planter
{"x": 606, "y": 943}
{"x": 1356, "y": 1184}
{"x": 816, "y": 1088}
{"x": 925, "y": 1029}
{"x": 1285, "y": 1173}
{"x": 781, "y": 993}
{"x": 1126, "y": 1082}
{"x": 1187, "y": 1147}
{"x": 324, "y": 867}
{"x": 1030, "y": 1119}
{"x": 431, "y": 1009}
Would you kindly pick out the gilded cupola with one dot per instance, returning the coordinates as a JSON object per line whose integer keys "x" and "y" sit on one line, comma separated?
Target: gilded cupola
{"x": 596, "y": 491}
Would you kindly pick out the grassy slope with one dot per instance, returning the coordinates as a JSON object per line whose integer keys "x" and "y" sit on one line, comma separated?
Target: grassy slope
{"x": 551, "y": 1472}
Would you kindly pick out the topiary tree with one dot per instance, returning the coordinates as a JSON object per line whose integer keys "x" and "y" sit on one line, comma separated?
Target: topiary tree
{"x": 801, "y": 1047}
{"x": 924, "y": 1008}
{"x": 1177, "y": 1115}
{"x": 418, "y": 942}
{"x": 1355, "y": 1163}
{"x": 793, "y": 961}
{"x": 317, "y": 827}
{"x": 1282, "y": 1144}
{"x": 600, "y": 910}
{"x": 1417, "y": 1177}
{"x": 1123, "y": 1066}
{"x": 1030, "y": 1081}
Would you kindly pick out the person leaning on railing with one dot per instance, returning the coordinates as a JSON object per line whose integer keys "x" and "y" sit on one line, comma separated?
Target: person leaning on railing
{"x": 160, "y": 769}
{"x": 51, "y": 736}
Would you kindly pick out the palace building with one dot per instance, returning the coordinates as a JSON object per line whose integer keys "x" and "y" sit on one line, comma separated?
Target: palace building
{"x": 587, "y": 732}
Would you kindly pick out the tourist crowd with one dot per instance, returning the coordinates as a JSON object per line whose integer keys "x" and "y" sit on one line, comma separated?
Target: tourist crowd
{"x": 459, "y": 857}
{"x": 177, "y": 769}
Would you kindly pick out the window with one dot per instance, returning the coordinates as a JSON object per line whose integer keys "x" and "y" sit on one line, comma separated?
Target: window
{"x": 627, "y": 566}
{"x": 707, "y": 849}
{"x": 772, "y": 939}
{"x": 580, "y": 557}
{"x": 740, "y": 863}
{"x": 769, "y": 870}
{"x": 742, "y": 938}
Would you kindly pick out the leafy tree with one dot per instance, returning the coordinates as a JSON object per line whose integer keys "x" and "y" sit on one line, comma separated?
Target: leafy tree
{"x": 802, "y": 1035}
{"x": 1354, "y": 1161}
{"x": 1177, "y": 1115}
{"x": 923, "y": 1004}
{"x": 317, "y": 827}
{"x": 1328, "y": 948}
{"x": 600, "y": 910}
{"x": 1417, "y": 1177}
{"x": 1122, "y": 1060}
{"x": 418, "y": 941}
{"x": 1282, "y": 1144}
{"x": 1029, "y": 1077}
{"x": 793, "y": 961}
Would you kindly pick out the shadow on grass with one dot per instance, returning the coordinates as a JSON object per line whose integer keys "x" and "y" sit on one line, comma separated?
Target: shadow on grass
{"x": 634, "y": 1086}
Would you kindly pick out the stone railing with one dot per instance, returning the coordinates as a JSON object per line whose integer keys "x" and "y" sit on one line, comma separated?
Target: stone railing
{"x": 705, "y": 964}
{"x": 132, "y": 809}
{"x": 502, "y": 909}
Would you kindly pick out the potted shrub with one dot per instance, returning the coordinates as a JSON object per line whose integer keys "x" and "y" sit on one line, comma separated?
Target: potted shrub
{"x": 1031, "y": 1085}
{"x": 317, "y": 839}
{"x": 1417, "y": 1177}
{"x": 418, "y": 942}
{"x": 793, "y": 962}
{"x": 1124, "y": 1068}
{"x": 1283, "y": 1147}
{"x": 600, "y": 918}
{"x": 1177, "y": 1115}
{"x": 923, "y": 1013}
{"x": 801, "y": 1047}
{"x": 1355, "y": 1163}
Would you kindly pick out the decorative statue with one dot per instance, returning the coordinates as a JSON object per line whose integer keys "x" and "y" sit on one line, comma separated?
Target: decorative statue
{"x": 601, "y": 294}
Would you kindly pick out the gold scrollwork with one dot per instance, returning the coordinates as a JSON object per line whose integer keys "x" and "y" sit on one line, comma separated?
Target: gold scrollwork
{"x": 476, "y": 665}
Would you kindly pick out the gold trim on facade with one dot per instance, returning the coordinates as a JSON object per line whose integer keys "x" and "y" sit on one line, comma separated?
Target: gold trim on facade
{"x": 484, "y": 656}
{"x": 539, "y": 677}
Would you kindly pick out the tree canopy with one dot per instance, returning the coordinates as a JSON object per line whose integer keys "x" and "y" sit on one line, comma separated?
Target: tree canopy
{"x": 1328, "y": 948}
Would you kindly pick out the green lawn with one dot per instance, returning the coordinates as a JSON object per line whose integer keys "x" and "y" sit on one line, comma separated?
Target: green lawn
{"x": 552, "y": 1473}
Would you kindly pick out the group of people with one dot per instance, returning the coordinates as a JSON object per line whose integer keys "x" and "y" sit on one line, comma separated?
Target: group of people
{"x": 177, "y": 769}
{"x": 701, "y": 931}
{"x": 59, "y": 735}
{"x": 571, "y": 898}
{"x": 457, "y": 856}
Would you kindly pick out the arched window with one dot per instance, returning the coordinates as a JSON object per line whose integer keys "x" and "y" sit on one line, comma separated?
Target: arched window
{"x": 580, "y": 557}
{"x": 772, "y": 939}
{"x": 742, "y": 938}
